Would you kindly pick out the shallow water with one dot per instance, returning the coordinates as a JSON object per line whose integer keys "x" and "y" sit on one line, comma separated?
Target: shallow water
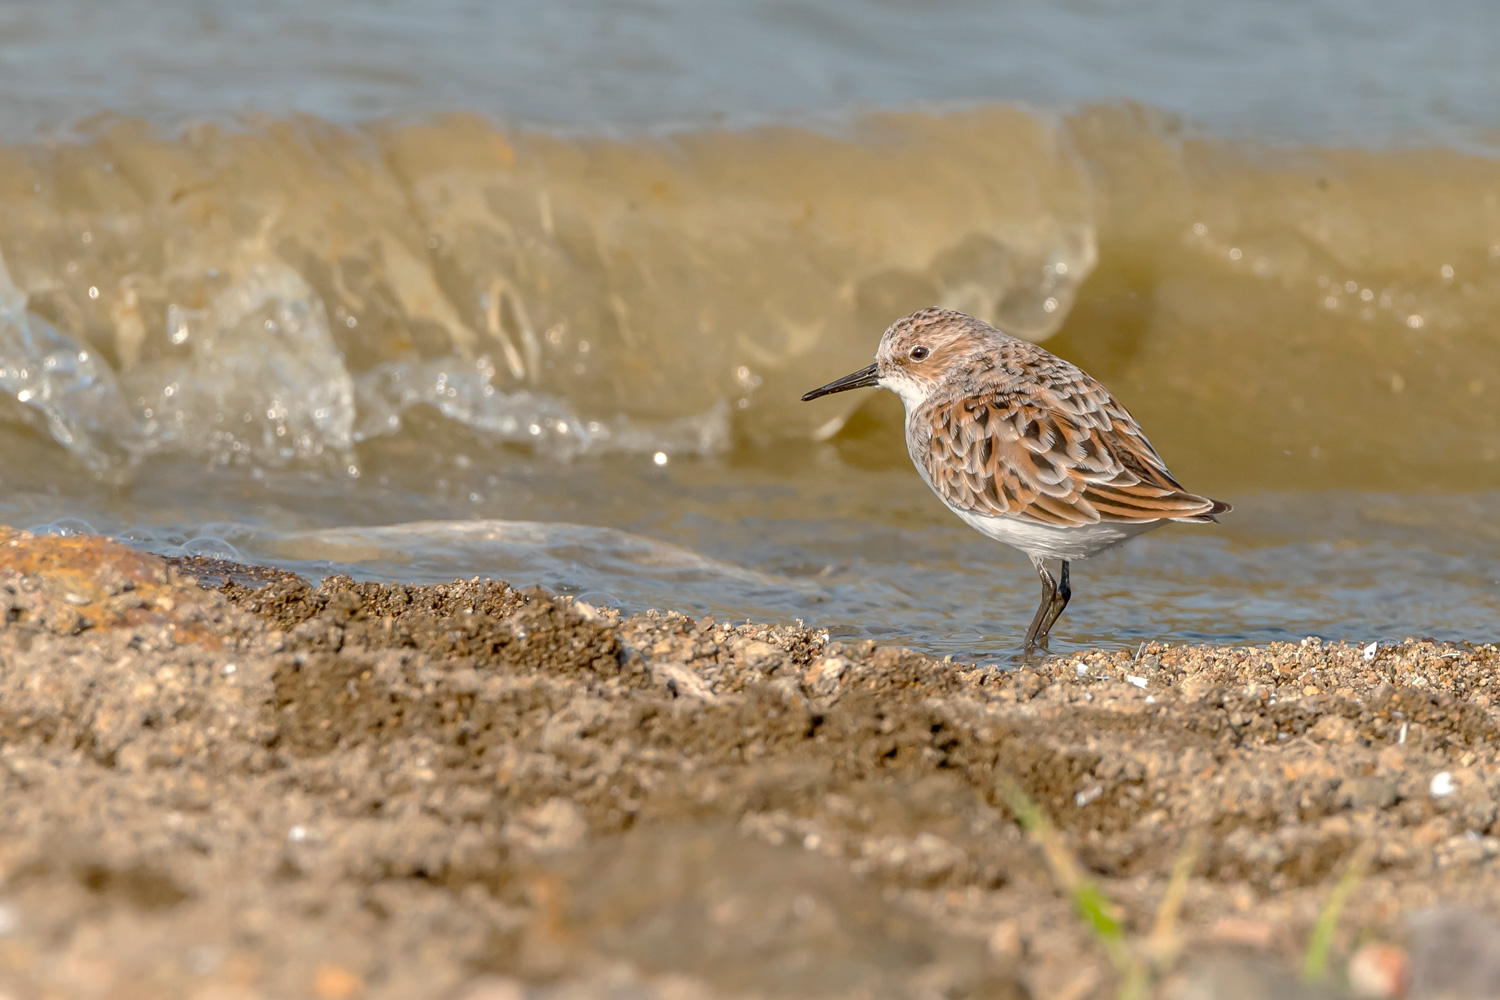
{"x": 435, "y": 345}
{"x": 867, "y": 553}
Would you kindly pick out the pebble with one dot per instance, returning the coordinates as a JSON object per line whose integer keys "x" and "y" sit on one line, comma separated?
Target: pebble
{"x": 334, "y": 982}
{"x": 681, "y": 681}
{"x": 1378, "y": 970}
{"x": 761, "y": 656}
{"x": 1083, "y": 798}
{"x": 822, "y": 678}
{"x": 1005, "y": 940}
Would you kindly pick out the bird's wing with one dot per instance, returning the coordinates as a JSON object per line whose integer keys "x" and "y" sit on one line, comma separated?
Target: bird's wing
{"x": 1062, "y": 454}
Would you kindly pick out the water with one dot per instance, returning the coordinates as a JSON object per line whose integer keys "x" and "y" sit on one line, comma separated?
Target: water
{"x": 531, "y": 290}
{"x": 1324, "y": 71}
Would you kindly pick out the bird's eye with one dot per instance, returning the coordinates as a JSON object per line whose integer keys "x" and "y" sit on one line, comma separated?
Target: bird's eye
{"x": 919, "y": 353}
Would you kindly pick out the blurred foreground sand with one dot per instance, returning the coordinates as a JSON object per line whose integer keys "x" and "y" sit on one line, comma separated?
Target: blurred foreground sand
{"x": 219, "y": 781}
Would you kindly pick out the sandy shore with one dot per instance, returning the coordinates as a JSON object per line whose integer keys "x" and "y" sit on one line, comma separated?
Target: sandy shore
{"x": 262, "y": 788}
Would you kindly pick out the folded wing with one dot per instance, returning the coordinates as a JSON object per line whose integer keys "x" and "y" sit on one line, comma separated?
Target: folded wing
{"x": 1068, "y": 455}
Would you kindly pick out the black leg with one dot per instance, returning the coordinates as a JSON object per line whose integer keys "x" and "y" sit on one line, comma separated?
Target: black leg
{"x": 1064, "y": 593}
{"x": 1049, "y": 594}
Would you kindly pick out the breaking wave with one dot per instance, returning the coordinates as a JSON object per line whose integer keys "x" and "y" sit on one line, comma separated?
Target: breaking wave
{"x": 281, "y": 296}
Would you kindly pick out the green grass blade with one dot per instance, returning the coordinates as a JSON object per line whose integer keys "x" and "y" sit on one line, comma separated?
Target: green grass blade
{"x": 1088, "y": 900}
{"x": 1320, "y": 944}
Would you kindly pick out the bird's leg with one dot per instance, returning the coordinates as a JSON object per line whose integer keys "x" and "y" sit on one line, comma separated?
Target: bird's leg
{"x": 1059, "y": 602}
{"x": 1049, "y": 594}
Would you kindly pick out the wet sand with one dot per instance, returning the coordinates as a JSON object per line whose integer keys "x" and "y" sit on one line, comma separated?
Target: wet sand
{"x": 219, "y": 781}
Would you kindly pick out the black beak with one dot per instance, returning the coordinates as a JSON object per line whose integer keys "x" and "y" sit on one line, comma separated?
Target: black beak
{"x": 855, "y": 380}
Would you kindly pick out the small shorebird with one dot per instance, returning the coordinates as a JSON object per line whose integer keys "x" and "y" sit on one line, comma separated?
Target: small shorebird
{"x": 1023, "y": 446}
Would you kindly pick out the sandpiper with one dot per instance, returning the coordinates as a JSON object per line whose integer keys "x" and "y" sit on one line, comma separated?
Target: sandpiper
{"x": 1025, "y": 447}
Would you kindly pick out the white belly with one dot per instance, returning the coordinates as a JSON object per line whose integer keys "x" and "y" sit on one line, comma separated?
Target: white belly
{"x": 1046, "y": 542}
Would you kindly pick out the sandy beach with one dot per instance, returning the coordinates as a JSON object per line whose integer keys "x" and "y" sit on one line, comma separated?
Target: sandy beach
{"x": 219, "y": 781}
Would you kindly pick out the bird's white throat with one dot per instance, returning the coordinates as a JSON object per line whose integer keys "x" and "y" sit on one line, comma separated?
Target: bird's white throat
{"x": 912, "y": 392}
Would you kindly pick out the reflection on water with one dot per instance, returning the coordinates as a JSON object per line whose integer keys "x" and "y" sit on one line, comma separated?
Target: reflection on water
{"x": 865, "y": 553}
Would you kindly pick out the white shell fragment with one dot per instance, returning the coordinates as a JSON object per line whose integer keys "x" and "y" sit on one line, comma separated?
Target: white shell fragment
{"x": 1088, "y": 795}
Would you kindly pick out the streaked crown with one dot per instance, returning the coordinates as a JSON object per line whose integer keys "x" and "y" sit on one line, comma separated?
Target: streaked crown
{"x": 921, "y": 350}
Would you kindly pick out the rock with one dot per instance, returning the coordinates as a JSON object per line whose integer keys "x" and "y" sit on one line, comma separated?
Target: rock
{"x": 822, "y": 678}
{"x": 1379, "y": 971}
{"x": 67, "y": 584}
{"x": 1454, "y": 952}
{"x": 681, "y": 681}
{"x": 761, "y": 656}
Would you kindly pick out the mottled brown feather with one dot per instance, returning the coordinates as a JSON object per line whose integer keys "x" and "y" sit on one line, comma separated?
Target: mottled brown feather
{"x": 1034, "y": 437}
